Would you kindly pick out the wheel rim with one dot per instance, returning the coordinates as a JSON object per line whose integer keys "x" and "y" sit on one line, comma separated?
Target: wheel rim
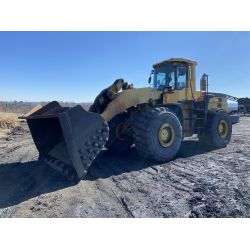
{"x": 166, "y": 135}
{"x": 223, "y": 128}
{"x": 120, "y": 128}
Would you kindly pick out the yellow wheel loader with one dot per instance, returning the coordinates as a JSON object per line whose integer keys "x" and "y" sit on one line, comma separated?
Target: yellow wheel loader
{"x": 154, "y": 119}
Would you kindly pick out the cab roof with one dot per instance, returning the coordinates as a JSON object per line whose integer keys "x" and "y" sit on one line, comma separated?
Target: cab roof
{"x": 175, "y": 60}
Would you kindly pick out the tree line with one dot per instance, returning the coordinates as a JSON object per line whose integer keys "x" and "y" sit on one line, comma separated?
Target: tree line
{"x": 23, "y": 107}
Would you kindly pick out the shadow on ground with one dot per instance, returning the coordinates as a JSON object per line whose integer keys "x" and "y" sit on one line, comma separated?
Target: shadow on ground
{"x": 22, "y": 181}
{"x": 191, "y": 148}
{"x": 110, "y": 164}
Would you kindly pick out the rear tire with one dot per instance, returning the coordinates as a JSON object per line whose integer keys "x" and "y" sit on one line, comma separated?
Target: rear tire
{"x": 157, "y": 134}
{"x": 218, "y": 130}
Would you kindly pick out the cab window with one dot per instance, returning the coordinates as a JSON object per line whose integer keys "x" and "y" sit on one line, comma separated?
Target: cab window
{"x": 181, "y": 76}
{"x": 171, "y": 75}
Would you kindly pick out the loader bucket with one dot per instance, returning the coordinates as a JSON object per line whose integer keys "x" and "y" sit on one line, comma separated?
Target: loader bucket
{"x": 68, "y": 139}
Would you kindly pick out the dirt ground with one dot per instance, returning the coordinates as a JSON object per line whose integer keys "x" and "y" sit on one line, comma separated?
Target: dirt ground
{"x": 197, "y": 183}
{"x": 8, "y": 121}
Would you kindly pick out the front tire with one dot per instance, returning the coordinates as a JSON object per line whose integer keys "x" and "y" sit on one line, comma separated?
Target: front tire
{"x": 119, "y": 139}
{"x": 157, "y": 134}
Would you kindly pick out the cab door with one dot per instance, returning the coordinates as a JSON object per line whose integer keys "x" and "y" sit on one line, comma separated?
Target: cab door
{"x": 179, "y": 82}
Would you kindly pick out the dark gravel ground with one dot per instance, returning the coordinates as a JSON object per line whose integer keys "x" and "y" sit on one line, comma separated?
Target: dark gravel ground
{"x": 199, "y": 183}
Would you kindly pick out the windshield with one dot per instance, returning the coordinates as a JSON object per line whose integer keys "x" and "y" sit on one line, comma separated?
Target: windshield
{"x": 171, "y": 75}
{"x": 163, "y": 76}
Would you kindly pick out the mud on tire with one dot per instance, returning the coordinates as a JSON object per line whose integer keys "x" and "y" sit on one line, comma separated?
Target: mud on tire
{"x": 218, "y": 130}
{"x": 147, "y": 127}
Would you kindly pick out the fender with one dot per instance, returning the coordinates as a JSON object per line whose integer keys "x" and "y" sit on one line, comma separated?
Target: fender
{"x": 130, "y": 98}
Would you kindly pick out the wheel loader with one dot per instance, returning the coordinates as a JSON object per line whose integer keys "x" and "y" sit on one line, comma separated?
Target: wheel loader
{"x": 154, "y": 119}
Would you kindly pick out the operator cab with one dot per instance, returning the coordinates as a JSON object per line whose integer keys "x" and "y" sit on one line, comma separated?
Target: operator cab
{"x": 171, "y": 74}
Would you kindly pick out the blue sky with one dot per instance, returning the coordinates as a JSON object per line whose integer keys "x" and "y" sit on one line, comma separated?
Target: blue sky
{"x": 75, "y": 66}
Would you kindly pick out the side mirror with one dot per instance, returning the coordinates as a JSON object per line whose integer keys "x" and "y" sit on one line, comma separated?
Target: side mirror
{"x": 149, "y": 79}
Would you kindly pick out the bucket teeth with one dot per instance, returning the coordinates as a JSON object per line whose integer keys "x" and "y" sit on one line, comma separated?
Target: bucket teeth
{"x": 68, "y": 139}
{"x": 94, "y": 145}
{"x": 87, "y": 155}
{"x": 104, "y": 133}
{"x": 64, "y": 169}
